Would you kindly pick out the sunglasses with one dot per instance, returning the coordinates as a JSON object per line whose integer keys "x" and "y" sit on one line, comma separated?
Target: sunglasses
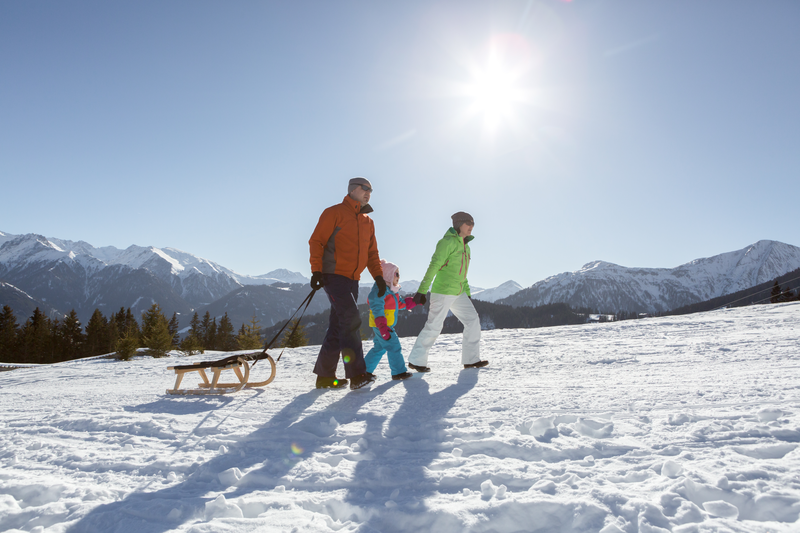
{"x": 366, "y": 188}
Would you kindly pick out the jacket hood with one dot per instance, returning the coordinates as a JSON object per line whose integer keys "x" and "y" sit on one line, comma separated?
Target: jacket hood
{"x": 389, "y": 270}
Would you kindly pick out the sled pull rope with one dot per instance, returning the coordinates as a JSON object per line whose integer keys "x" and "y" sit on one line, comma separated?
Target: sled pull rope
{"x": 268, "y": 345}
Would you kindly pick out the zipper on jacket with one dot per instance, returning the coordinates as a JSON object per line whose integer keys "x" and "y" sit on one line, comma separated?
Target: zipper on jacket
{"x": 358, "y": 245}
{"x": 463, "y": 253}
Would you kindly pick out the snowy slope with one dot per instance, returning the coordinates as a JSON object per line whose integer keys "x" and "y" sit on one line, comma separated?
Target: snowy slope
{"x": 688, "y": 423}
{"x": 610, "y": 288}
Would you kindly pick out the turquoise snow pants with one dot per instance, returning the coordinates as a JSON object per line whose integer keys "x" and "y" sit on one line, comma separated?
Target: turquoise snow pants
{"x": 397, "y": 364}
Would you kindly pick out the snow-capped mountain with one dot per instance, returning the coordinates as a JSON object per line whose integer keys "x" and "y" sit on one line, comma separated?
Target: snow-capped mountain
{"x": 23, "y": 304}
{"x": 270, "y": 304}
{"x": 609, "y": 287}
{"x": 76, "y": 275}
{"x": 501, "y": 291}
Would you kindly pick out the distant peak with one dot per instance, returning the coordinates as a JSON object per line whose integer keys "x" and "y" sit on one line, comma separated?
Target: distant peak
{"x": 595, "y": 265}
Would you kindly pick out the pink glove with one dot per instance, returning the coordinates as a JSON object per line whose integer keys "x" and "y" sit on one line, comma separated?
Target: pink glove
{"x": 410, "y": 303}
{"x": 386, "y": 333}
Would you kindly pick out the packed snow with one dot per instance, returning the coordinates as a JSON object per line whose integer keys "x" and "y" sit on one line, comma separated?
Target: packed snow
{"x": 688, "y": 423}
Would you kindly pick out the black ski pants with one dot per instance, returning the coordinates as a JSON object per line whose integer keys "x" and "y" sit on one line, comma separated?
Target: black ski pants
{"x": 344, "y": 330}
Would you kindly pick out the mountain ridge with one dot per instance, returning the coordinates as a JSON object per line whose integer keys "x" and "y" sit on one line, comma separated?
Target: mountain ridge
{"x": 610, "y": 287}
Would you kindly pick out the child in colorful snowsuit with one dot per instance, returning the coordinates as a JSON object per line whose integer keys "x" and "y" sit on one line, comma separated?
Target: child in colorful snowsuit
{"x": 382, "y": 316}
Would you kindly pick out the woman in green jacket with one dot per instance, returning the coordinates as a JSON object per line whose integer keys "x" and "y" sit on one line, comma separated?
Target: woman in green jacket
{"x": 450, "y": 292}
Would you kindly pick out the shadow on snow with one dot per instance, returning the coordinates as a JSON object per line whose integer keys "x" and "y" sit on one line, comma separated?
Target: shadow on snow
{"x": 273, "y": 450}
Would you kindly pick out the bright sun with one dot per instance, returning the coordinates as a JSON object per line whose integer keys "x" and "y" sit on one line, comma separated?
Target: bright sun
{"x": 499, "y": 86}
{"x": 494, "y": 93}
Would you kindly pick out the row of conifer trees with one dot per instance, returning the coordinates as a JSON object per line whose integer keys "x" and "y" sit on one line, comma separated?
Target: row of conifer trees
{"x": 42, "y": 339}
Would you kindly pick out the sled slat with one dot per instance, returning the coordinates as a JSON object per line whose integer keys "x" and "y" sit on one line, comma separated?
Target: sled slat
{"x": 240, "y": 367}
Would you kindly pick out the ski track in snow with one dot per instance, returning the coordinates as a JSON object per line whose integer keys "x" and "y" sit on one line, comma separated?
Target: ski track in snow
{"x": 687, "y": 423}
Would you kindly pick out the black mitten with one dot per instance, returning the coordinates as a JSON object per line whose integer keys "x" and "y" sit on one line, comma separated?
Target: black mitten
{"x": 316, "y": 281}
{"x": 420, "y": 299}
{"x": 381, "y": 285}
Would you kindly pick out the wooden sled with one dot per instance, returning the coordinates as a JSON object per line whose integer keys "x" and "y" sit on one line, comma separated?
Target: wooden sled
{"x": 241, "y": 366}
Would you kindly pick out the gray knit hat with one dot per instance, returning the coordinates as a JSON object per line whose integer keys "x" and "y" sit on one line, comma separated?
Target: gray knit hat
{"x": 460, "y": 218}
{"x": 355, "y": 183}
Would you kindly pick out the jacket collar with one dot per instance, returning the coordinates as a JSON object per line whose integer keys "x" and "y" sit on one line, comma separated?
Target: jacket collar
{"x": 451, "y": 232}
{"x": 355, "y": 206}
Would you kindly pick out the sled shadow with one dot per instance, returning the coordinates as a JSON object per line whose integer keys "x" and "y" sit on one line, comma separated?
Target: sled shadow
{"x": 181, "y": 405}
{"x": 286, "y": 439}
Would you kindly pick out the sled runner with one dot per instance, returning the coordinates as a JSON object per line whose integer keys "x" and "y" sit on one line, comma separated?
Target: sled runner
{"x": 242, "y": 366}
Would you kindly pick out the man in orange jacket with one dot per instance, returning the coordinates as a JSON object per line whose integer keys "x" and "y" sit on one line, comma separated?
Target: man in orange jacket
{"x": 342, "y": 246}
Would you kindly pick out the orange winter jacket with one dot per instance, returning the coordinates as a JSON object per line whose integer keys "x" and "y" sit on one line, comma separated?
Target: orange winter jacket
{"x": 344, "y": 241}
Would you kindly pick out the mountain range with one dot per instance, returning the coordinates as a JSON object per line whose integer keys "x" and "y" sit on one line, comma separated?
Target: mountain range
{"x": 58, "y": 275}
{"x": 610, "y": 288}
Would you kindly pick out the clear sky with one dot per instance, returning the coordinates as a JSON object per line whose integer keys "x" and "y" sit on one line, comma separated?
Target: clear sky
{"x": 645, "y": 133}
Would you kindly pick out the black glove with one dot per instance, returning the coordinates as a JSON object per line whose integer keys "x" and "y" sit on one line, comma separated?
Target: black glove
{"x": 316, "y": 281}
{"x": 381, "y": 286}
{"x": 420, "y": 299}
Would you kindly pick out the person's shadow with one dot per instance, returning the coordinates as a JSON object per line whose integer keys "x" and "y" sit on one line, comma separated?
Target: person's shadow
{"x": 412, "y": 441}
{"x": 280, "y": 444}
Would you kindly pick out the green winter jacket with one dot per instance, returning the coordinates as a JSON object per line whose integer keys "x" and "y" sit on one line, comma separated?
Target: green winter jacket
{"x": 449, "y": 265}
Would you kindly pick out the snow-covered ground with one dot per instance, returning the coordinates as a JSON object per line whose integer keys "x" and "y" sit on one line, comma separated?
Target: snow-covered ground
{"x": 687, "y": 423}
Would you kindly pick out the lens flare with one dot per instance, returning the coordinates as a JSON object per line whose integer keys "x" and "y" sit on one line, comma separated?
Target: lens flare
{"x": 346, "y": 359}
{"x": 296, "y": 449}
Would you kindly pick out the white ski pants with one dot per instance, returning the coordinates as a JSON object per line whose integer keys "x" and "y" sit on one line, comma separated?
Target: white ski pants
{"x": 462, "y": 308}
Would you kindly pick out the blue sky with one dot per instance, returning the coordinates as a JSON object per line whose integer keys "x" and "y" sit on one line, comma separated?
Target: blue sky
{"x": 645, "y": 133}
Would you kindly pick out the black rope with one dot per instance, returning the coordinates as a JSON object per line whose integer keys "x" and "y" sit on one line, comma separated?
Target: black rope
{"x": 268, "y": 345}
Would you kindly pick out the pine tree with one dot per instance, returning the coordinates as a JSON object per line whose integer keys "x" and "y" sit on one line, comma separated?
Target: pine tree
{"x": 71, "y": 338}
{"x": 127, "y": 345}
{"x": 130, "y": 326}
{"x": 174, "y": 326}
{"x": 776, "y": 293}
{"x": 250, "y": 335}
{"x": 112, "y": 334}
{"x": 205, "y": 331}
{"x": 35, "y": 338}
{"x": 119, "y": 318}
{"x": 53, "y": 343}
{"x": 787, "y": 296}
{"x": 194, "y": 327}
{"x": 211, "y": 336}
{"x": 97, "y": 341}
{"x": 294, "y": 338}
{"x": 9, "y": 330}
{"x": 225, "y": 339}
{"x": 155, "y": 332}
{"x": 192, "y": 343}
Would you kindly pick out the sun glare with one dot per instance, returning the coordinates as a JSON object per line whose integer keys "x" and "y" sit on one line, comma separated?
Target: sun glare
{"x": 496, "y": 88}
{"x": 494, "y": 94}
